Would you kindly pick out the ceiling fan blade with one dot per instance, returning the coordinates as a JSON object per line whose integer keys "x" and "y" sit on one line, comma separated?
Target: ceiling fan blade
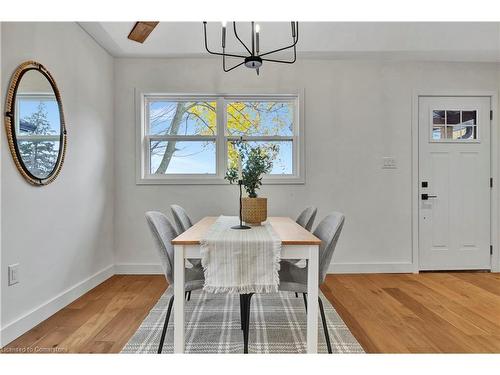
{"x": 141, "y": 31}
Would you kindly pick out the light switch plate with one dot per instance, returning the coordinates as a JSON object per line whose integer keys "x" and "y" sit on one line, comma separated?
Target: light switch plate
{"x": 389, "y": 162}
{"x": 13, "y": 274}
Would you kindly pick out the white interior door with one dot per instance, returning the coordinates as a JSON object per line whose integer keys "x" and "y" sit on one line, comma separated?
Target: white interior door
{"x": 454, "y": 183}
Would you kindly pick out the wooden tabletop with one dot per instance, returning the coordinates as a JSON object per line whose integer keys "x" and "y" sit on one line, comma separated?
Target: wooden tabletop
{"x": 287, "y": 229}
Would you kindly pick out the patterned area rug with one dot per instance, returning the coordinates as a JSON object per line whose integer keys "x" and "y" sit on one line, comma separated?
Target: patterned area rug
{"x": 277, "y": 325}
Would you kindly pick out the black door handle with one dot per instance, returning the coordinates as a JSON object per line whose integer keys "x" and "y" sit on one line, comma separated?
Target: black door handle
{"x": 427, "y": 196}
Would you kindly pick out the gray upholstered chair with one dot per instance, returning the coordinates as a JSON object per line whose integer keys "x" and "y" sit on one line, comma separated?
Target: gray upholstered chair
{"x": 294, "y": 279}
{"x": 306, "y": 217}
{"x": 163, "y": 233}
{"x": 183, "y": 223}
{"x": 305, "y": 220}
{"x": 182, "y": 220}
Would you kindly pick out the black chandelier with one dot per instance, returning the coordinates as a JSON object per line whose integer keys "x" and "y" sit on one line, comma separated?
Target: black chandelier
{"x": 255, "y": 59}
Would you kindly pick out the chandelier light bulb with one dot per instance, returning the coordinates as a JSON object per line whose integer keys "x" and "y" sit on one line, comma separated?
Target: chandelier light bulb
{"x": 257, "y": 28}
{"x": 224, "y": 24}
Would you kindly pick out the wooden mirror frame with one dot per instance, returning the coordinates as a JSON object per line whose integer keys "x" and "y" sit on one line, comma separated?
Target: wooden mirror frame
{"x": 10, "y": 123}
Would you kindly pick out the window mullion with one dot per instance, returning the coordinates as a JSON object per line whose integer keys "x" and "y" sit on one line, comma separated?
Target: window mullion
{"x": 221, "y": 147}
{"x": 146, "y": 126}
{"x": 182, "y": 138}
{"x": 38, "y": 137}
{"x": 276, "y": 138}
{"x": 296, "y": 156}
{"x": 147, "y": 155}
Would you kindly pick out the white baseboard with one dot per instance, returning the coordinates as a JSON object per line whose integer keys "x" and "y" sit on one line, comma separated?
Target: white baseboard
{"x": 138, "y": 269}
{"x": 371, "y": 268}
{"x": 23, "y": 324}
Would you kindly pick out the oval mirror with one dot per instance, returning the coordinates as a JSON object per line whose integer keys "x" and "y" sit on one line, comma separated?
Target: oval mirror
{"x": 35, "y": 125}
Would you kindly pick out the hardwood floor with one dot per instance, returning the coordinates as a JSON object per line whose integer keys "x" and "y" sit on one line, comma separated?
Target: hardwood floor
{"x": 420, "y": 313}
{"x": 101, "y": 321}
{"x": 398, "y": 313}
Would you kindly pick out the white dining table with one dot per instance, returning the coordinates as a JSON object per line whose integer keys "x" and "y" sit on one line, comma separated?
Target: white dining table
{"x": 296, "y": 243}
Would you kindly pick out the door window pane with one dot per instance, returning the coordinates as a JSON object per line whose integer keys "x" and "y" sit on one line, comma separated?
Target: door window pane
{"x": 464, "y": 132}
{"x": 454, "y": 125}
{"x": 182, "y": 157}
{"x": 438, "y": 117}
{"x": 469, "y": 117}
{"x": 449, "y": 132}
{"x": 438, "y": 132}
{"x": 452, "y": 117}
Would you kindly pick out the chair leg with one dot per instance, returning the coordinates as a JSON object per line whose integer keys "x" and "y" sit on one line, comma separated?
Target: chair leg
{"x": 189, "y": 296}
{"x": 296, "y": 295}
{"x": 165, "y": 325}
{"x": 325, "y": 327}
{"x": 305, "y": 300}
{"x": 248, "y": 298}
{"x": 242, "y": 311}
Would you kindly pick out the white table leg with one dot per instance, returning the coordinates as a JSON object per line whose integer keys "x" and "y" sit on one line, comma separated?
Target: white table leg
{"x": 312, "y": 299}
{"x": 179, "y": 299}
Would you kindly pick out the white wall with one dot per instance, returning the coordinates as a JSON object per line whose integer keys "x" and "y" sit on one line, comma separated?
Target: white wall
{"x": 356, "y": 112}
{"x": 61, "y": 234}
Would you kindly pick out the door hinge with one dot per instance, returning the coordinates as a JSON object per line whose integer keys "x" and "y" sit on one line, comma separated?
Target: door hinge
{"x": 491, "y": 249}
{"x": 491, "y": 182}
{"x": 491, "y": 115}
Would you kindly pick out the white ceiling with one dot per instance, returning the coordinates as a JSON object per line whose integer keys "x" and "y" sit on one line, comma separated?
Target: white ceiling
{"x": 414, "y": 41}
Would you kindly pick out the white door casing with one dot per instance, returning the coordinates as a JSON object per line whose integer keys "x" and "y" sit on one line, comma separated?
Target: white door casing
{"x": 454, "y": 158}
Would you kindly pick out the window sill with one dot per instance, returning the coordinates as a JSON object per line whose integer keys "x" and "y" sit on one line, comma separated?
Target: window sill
{"x": 215, "y": 181}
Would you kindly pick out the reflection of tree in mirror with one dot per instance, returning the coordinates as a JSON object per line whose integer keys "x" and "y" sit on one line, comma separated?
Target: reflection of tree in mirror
{"x": 199, "y": 118}
{"x": 38, "y": 155}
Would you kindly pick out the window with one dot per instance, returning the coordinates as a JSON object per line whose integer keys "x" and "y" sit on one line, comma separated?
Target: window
{"x": 193, "y": 139}
{"x": 454, "y": 126}
{"x": 263, "y": 123}
{"x": 38, "y": 132}
{"x": 181, "y": 136}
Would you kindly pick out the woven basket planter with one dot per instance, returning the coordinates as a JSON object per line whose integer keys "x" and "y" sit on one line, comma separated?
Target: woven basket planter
{"x": 254, "y": 210}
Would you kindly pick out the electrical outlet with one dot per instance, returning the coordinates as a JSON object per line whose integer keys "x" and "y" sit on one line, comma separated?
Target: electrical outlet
{"x": 13, "y": 274}
{"x": 388, "y": 163}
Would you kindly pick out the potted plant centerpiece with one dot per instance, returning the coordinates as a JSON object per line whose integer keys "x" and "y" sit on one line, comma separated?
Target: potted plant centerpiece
{"x": 249, "y": 166}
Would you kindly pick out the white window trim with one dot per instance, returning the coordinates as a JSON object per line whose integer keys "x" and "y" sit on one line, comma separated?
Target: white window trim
{"x": 142, "y": 156}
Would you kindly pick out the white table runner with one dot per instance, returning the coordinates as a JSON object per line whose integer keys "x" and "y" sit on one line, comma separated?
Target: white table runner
{"x": 240, "y": 261}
